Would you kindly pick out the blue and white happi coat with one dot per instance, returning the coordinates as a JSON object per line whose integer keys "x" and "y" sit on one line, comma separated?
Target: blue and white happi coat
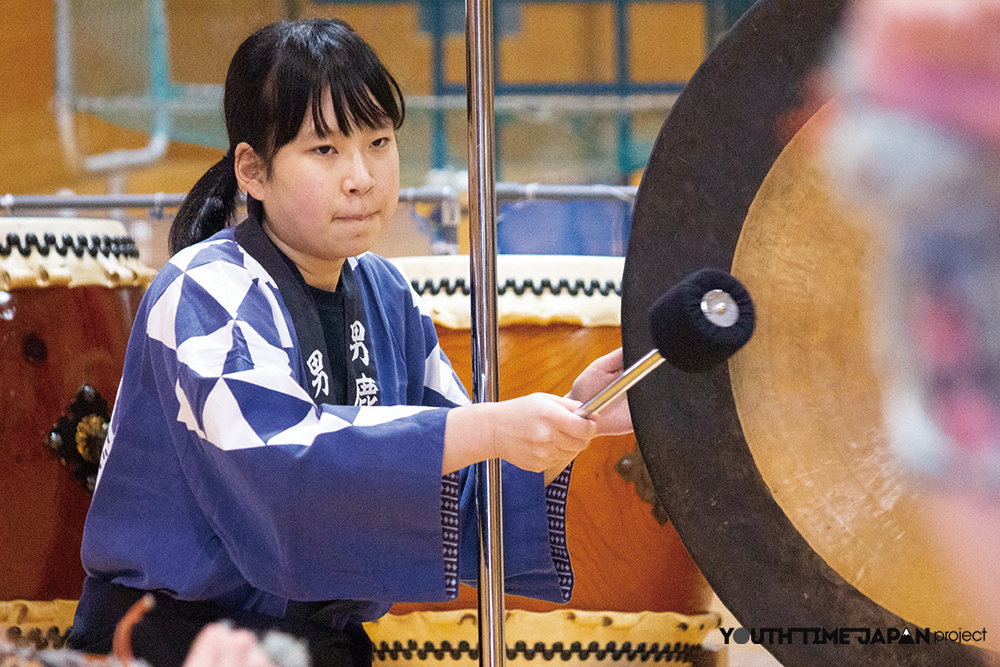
{"x": 222, "y": 480}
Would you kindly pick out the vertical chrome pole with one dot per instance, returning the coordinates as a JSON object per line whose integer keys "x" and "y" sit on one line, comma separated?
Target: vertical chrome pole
{"x": 482, "y": 272}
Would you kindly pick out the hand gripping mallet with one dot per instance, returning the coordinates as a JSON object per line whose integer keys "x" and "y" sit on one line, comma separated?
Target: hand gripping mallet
{"x": 696, "y": 325}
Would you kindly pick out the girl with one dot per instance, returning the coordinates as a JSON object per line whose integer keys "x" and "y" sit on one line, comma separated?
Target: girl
{"x": 289, "y": 446}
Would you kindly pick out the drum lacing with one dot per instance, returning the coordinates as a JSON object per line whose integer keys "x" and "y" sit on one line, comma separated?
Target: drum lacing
{"x": 676, "y": 652}
{"x": 519, "y": 288}
{"x": 119, "y": 246}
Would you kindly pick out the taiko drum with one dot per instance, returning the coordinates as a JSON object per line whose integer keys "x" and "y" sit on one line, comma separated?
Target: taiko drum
{"x": 556, "y": 314}
{"x": 69, "y": 290}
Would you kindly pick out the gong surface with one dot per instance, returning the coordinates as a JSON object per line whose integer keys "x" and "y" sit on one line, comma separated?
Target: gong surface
{"x": 808, "y": 392}
{"x": 774, "y": 470}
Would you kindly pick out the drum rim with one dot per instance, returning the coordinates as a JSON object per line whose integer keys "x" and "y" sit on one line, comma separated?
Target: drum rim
{"x": 68, "y": 252}
{"x": 538, "y": 290}
{"x": 645, "y": 636}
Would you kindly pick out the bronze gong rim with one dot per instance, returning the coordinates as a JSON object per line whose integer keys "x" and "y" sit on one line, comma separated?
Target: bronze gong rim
{"x": 719, "y": 143}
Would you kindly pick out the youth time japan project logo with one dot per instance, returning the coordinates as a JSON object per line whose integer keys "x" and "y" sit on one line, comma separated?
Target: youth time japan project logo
{"x": 850, "y": 636}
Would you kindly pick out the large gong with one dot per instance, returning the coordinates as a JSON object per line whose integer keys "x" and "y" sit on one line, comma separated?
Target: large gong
{"x": 775, "y": 470}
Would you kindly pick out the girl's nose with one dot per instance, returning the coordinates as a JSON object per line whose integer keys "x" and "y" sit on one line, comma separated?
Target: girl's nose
{"x": 359, "y": 179}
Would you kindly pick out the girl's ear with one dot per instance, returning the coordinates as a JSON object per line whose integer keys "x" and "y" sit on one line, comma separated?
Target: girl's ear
{"x": 250, "y": 171}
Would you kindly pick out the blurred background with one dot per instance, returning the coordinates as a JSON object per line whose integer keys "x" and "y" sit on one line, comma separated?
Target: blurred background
{"x": 124, "y": 96}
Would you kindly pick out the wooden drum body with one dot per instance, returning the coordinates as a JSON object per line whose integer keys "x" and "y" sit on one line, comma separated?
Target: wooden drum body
{"x": 69, "y": 289}
{"x": 556, "y": 314}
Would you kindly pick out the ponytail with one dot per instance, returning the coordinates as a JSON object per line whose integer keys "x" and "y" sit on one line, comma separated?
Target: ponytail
{"x": 208, "y": 206}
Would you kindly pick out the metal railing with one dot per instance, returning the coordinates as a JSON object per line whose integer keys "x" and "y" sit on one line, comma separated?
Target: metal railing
{"x": 446, "y": 196}
{"x": 448, "y": 200}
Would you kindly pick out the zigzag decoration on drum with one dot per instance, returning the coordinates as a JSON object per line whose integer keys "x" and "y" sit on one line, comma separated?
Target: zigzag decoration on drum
{"x": 119, "y": 246}
{"x": 460, "y": 285}
{"x": 676, "y": 652}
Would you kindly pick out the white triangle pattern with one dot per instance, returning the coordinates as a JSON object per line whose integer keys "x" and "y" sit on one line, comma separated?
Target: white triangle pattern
{"x": 206, "y": 355}
{"x": 227, "y": 429}
{"x": 306, "y": 431}
{"x": 439, "y": 377}
{"x": 227, "y": 283}
{"x": 161, "y": 322}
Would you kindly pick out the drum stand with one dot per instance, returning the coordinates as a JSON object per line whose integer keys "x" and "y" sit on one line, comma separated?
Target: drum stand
{"x": 482, "y": 274}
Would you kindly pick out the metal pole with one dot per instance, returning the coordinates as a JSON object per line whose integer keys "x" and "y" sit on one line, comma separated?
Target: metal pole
{"x": 482, "y": 273}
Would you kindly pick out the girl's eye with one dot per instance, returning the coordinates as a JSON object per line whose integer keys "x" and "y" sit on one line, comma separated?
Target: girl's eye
{"x": 380, "y": 142}
{"x": 324, "y": 150}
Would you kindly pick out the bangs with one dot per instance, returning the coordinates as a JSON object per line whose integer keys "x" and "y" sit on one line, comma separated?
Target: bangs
{"x": 326, "y": 57}
{"x": 358, "y": 101}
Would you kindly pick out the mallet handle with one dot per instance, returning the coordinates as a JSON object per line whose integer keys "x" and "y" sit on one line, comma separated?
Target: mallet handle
{"x": 619, "y": 386}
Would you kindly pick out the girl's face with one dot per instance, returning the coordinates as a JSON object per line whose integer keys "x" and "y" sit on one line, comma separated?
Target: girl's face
{"x": 327, "y": 198}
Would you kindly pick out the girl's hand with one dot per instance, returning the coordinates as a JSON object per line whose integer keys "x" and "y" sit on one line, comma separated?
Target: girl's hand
{"x": 538, "y": 433}
{"x": 615, "y": 418}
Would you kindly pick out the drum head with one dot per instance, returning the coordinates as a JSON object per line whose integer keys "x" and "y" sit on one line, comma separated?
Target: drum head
{"x": 774, "y": 470}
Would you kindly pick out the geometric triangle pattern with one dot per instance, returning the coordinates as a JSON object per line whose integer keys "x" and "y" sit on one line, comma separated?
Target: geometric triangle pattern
{"x": 215, "y": 362}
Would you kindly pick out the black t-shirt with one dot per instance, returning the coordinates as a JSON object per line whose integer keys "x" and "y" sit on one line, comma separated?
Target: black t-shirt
{"x": 331, "y": 315}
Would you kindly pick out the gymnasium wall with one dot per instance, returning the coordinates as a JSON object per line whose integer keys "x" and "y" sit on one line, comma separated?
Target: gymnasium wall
{"x": 551, "y": 43}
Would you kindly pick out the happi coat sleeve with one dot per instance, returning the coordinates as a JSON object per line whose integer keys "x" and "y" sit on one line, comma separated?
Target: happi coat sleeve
{"x": 222, "y": 480}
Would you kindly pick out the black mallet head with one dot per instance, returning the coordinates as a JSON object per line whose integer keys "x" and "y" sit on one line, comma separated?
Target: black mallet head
{"x": 702, "y": 320}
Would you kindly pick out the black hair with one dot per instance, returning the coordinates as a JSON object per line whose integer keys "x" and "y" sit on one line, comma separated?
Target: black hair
{"x": 277, "y": 75}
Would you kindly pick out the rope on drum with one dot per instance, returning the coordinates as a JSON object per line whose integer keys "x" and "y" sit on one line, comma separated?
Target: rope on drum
{"x": 450, "y": 287}
{"x": 119, "y": 246}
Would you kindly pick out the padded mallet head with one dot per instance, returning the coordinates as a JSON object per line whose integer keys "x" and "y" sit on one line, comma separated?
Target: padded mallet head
{"x": 702, "y": 320}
